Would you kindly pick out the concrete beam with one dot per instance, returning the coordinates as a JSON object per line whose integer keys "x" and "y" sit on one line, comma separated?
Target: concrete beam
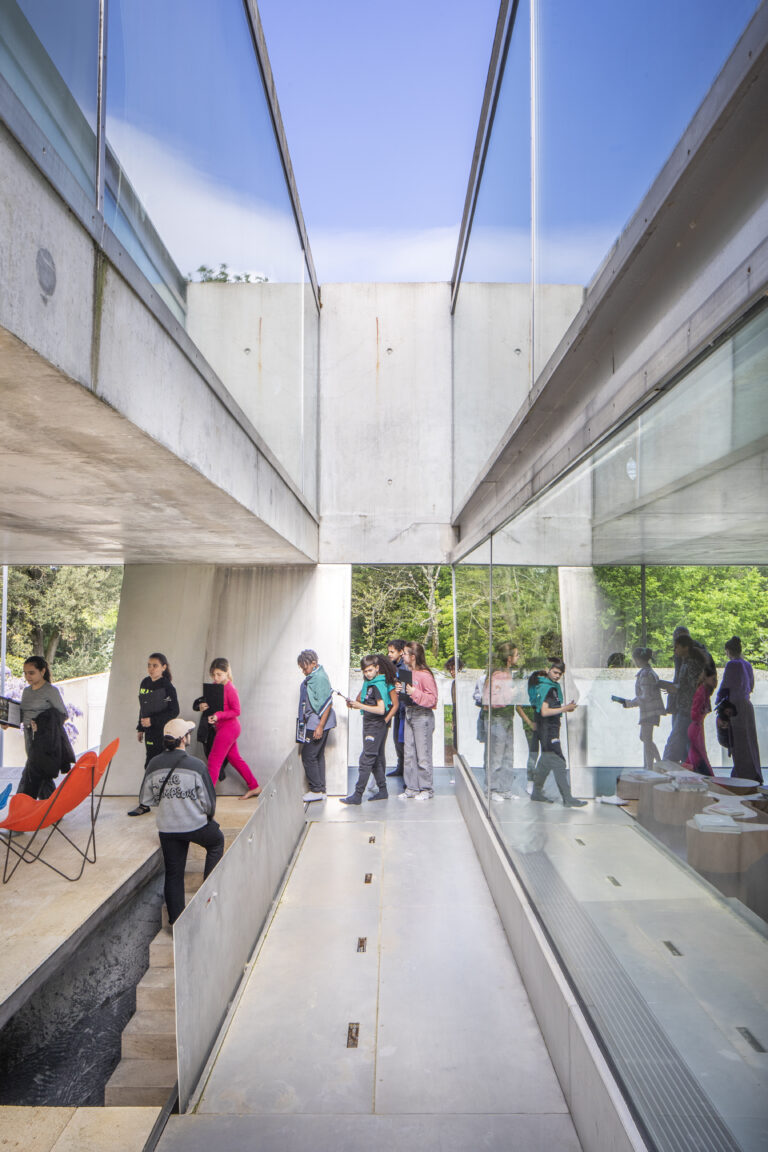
{"x": 116, "y": 445}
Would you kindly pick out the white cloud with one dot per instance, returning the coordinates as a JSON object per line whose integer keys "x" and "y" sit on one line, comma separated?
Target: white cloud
{"x": 201, "y": 220}
{"x": 384, "y": 255}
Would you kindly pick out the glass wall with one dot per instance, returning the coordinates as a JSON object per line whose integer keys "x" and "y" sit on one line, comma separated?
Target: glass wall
{"x": 49, "y": 54}
{"x": 642, "y": 836}
{"x": 492, "y": 324}
{"x": 193, "y": 185}
{"x": 592, "y": 100}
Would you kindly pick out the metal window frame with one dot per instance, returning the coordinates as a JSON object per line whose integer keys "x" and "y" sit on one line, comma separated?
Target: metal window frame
{"x": 505, "y": 26}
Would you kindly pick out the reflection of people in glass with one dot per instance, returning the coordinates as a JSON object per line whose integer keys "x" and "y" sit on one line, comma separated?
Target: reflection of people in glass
{"x": 648, "y": 699}
{"x": 499, "y": 692}
{"x": 697, "y": 745}
{"x": 547, "y": 698}
{"x": 450, "y": 668}
{"x": 527, "y": 714}
{"x": 689, "y": 664}
{"x": 736, "y": 687}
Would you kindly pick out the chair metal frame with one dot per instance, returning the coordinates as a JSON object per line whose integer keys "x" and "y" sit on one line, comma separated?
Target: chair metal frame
{"x": 99, "y": 769}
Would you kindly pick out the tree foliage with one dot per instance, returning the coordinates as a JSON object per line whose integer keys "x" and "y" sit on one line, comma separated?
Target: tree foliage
{"x": 65, "y": 614}
{"x": 416, "y": 603}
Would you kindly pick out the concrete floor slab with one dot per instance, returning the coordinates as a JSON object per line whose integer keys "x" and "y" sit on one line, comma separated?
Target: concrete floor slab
{"x": 445, "y": 1030}
{"x": 416, "y": 1133}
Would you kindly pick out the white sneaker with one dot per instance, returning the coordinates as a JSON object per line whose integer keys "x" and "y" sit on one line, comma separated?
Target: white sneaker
{"x": 407, "y": 795}
{"x": 425, "y": 794}
{"x": 499, "y": 797}
{"x": 308, "y": 797}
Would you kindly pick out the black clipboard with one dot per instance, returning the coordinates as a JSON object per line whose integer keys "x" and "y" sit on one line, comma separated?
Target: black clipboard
{"x": 10, "y": 712}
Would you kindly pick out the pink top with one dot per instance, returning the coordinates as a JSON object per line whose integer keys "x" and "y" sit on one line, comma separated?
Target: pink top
{"x": 231, "y": 709}
{"x": 701, "y": 702}
{"x": 424, "y": 689}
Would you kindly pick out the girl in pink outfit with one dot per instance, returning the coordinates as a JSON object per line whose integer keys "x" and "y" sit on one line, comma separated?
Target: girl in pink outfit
{"x": 697, "y": 748}
{"x": 227, "y": 728}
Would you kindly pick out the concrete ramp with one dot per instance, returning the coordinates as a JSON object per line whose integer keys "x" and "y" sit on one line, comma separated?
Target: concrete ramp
{"x": 384, "y": 1009}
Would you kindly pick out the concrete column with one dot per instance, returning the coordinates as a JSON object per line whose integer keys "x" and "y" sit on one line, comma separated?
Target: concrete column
{"x": 259, "y": 619}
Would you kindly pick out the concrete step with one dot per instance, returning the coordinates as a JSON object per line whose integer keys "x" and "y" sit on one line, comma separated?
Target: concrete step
{"x": 161, "y": 950}
{"x": 156, "y": 990}
{"x": 150, "y": 1036}
{"x": 140, "y": 1083}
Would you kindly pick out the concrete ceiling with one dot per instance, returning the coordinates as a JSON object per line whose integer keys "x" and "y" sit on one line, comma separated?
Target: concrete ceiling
{"x": 81, "y": 484}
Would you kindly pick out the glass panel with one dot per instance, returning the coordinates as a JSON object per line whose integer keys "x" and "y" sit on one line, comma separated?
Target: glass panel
{"x": 492, "y": 323}
{"x": 615, "y": 92}
{"x": 617, "y": 879}
{"x": 197, "y": 192}
{"x": 472, "y": 608}
{"x": 49, "y": 56}
{"x": 526, "y": 634}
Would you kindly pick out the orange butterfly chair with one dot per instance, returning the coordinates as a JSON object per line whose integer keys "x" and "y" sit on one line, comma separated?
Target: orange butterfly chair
{"x": 35, "y": 816}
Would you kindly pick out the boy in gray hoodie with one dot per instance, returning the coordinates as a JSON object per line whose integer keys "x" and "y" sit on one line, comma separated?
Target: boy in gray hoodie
{"x": 179, "y": 787}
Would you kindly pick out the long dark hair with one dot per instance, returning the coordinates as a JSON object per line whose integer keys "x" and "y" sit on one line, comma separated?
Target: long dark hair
{"x": 164, "y": 661}
{"x": 388, "y": 670}
{"x": 420, "y": 663}
{"x": 41, "y": 665}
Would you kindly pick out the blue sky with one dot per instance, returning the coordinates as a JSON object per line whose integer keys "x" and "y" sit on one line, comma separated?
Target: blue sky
{"x": 381, "y": 104}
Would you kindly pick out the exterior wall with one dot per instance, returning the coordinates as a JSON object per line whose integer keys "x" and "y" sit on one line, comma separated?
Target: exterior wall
{"x": 385, "y": 403}
{"x": 260, "y": 619}
{"x": 252, "y": 334}
{"x": 492, "y": 364}
{"x": 159, "y": 460}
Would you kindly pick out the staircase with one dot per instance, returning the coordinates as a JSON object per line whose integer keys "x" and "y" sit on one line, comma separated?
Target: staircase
{"x": 146, "y": 1073}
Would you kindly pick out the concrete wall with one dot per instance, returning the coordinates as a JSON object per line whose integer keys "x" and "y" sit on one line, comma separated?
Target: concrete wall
{"x": 252, "y": 336}
{"x": 260, "y": 619}
{"x": 492, "y": 363}
{"x": 385, "y": 406}
{"x": 159, "y": 461}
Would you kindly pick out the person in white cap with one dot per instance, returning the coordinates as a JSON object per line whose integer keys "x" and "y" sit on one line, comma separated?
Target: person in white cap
{"x": 179, "y": 787}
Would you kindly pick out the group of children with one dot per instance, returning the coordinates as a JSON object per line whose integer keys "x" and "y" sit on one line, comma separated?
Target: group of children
{"x": 398, "y": 689}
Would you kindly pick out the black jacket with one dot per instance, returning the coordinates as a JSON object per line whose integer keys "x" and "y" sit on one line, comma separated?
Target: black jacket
{"x": 51, "y": 751}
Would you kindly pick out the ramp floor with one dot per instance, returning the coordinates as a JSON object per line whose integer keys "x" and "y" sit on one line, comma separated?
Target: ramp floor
{"x": 386, "y": 924}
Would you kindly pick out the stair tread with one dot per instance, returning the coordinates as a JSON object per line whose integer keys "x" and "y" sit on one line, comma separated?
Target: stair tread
{"x": 144, "y": 1074}
{"x": 157, "y": 977}
{"x": 159, "y": 1021}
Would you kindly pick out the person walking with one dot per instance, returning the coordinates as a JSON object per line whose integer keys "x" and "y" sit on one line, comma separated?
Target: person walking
{"x": 421, "y": 701}
{"x": 550, "y": 706}
{"x": 315, "y": 720}
{"x": 736, "y": 686}
{"x": 46, "y": 743}
{"x": 158, "y": 703}
{"x": 179, "y": 787}
{"x": 375, "y": 701}
{"x": 648, "y": 699}
{"x": 227, "y": 725}
{"x": 395, "y": 649}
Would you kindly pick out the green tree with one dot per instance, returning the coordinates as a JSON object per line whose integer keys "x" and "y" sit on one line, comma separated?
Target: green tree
{"x": 65, "y": 614}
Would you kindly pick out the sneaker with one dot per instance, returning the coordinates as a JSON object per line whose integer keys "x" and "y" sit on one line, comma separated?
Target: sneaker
{"x": 574, "y": 803}
{"x": 308, "y": 797}
{"x": 425, "y": 794}
{"x": 139, "y": 810}
{"x": 501, "y": 796}
{"x": 408, "y": 794}
{"x": 382, "y": 794}
{"x": 355, "y": 798}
